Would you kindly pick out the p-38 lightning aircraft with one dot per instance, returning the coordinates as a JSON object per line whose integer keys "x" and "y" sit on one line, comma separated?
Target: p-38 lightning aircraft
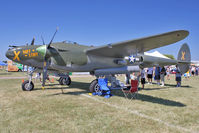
{"x": 116, "y": 58}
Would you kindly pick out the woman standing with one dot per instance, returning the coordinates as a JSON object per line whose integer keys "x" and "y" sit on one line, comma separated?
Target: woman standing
{"x": 162, "y": 74}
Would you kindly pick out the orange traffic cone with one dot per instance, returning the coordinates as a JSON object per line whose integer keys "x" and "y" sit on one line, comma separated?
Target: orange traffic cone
{"x": 22, "y": 80}
{"x": 52, "y": 80}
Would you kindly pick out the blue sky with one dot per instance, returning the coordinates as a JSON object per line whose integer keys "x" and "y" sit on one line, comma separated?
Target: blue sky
{"x": 97, "y": 22}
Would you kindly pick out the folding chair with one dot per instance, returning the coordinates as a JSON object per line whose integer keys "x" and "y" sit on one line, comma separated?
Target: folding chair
{"x": 104, "y": 89}
{"x": 132, "y": 91}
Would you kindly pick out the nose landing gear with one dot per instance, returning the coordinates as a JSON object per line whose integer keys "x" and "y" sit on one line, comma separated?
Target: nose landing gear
{"x": 28, "y": 85}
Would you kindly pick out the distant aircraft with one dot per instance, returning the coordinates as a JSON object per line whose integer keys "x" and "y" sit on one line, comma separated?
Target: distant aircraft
{"x": 116, "y": 58}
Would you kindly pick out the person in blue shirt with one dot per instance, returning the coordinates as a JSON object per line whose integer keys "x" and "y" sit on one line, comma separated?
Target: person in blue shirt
{"x": 196, "y": 71}
{"x": 157, "y": 75}
{"x": 178, "y": 77}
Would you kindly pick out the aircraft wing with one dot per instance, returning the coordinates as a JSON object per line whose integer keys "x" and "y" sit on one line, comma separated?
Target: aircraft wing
{"x": 126, "y": 48}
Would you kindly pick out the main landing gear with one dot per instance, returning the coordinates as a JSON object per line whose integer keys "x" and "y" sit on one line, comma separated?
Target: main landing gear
{"x": 94, "y": 86}
{"x": 65, "y": 80}
{"x": 115, "y": 84}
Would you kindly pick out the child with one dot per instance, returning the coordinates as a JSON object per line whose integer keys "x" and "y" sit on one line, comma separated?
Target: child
{"x": 133, "y": 77}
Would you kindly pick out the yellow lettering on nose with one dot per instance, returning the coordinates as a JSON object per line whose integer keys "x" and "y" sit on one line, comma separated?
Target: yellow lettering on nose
{"x": 183, "y": 54}
{"x": 16, "y": 55}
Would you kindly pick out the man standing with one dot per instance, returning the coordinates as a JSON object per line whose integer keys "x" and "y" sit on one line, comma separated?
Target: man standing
{"x": 143, "y": 74}
{"x": 157, "y": 75}
{"x": 178, "y": 77}
{"x": 150, "y": 75}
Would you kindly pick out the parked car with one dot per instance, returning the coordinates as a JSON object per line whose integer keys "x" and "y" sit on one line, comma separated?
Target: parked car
{"x": 173, "y": 71}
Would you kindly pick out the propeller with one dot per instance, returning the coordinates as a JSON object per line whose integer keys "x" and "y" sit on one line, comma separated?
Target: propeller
{"x": 53, "y": 37}
{"x": 45, "y": 51}
{"x": 33, "y": 41}
{"x": 42, "y": 40}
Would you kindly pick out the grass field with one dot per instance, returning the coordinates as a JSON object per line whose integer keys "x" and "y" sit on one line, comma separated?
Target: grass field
{"x": 156, "y": 109}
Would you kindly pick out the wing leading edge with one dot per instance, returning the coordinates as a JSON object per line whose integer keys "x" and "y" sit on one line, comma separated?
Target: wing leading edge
{"x": 126, "y": 48}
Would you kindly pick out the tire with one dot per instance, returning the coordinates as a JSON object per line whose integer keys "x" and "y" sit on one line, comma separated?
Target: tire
{"x": 94, "y": 87}
{"x": 65, "y": 81}
{"x": 25, "y": 86}
{"x": 60, "y": 81}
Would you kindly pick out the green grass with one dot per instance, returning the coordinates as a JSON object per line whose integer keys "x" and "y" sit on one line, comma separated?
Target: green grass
{"x": 52, "y": 111}
{"x": 4, "y": 73}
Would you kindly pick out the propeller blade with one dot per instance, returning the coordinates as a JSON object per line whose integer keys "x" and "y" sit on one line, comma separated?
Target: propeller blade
{"x": 33, "y": 41}
{"x": 53, "y": 37}
{"x": 43, "y": 40}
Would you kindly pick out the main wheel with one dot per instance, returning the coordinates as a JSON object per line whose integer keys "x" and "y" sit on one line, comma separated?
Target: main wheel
{"x": 60, "y": 79}
{"x": 26, "y": 86}
{"x": 94, "y": 86}
{"x": 65, "y": 81}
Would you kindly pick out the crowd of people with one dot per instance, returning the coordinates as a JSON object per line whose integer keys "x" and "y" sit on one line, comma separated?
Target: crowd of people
{"x": 159, "y": 73}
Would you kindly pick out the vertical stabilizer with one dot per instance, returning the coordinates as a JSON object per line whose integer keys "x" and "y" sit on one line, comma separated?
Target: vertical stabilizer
{"x": 184, "y": 58}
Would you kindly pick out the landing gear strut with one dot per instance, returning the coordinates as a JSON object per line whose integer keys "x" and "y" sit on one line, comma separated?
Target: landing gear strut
{"x": 28, "y": 84}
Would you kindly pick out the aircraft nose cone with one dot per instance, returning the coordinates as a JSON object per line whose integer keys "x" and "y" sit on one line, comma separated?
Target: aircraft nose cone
{"x": 10, "y": 54}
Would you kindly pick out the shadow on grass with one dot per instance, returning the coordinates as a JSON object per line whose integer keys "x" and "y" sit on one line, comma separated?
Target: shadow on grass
{"x": 84, "y": 87}
{"x": 167, "y": 86}
{"x": 152, "y": 99}
{"x": 157, "y": 100}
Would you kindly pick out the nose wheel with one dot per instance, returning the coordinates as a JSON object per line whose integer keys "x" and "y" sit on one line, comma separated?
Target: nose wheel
{"x": 27, "y": 86}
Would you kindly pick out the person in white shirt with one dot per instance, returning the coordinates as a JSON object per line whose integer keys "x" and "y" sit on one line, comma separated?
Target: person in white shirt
{"x": 133, "y": 77}
{"x": 193, "y": 70}
{"x": 168, "y": 73}
{"x": 150, "y": 75}
{"x": 162, "y": 74}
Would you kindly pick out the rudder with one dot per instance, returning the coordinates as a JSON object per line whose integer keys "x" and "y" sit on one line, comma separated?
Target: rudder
{"x": 184, "y": 58}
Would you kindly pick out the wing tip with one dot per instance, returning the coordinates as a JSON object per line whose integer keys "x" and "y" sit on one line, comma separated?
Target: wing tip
{"x": 182, "y": 33}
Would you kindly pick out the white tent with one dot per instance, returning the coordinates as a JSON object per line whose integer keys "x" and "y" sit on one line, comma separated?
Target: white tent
{"x": 156, "y": 54}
